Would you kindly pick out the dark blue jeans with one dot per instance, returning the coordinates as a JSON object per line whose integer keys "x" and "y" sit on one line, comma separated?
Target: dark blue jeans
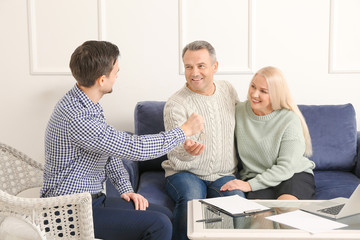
{"x": 115, "y": 218}
{"x": 185, "y": 186}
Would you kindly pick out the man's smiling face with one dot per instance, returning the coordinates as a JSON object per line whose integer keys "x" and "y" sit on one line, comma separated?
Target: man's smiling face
{"x": 199, "y": 71}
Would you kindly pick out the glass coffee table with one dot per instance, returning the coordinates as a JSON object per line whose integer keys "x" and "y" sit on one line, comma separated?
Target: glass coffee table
{"x": 257, "y": 227}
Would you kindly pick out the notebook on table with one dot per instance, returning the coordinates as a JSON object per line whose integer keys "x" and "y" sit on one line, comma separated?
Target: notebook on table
{"x": 234, "y": 205}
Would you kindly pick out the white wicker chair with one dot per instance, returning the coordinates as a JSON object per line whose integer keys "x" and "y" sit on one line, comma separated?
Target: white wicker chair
{"x": 18, "y": 172}
{"x": 63, "y": 217}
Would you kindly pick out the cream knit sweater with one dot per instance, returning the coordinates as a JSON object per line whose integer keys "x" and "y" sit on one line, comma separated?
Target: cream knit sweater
{"x": 218, "y": 111}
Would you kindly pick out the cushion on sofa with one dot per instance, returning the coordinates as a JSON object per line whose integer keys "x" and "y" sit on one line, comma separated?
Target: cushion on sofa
{"x": 152, "y": 187}
{"x": 149, "y": 119}
{"x": 334, "y": 135}
{"x": 333, "y": 184}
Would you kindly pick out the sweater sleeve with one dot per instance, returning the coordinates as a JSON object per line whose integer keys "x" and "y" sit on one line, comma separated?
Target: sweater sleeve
{"x": 290, "y": 160}
{"x": 234, "y": 93}
{"x": 176, "y": 115}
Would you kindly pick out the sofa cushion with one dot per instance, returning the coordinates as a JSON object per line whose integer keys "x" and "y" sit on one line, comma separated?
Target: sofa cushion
{"x": 333, "y": 184}
{"x": 149, "y": 119}
{"x": 333, "y": 134}
{"x": 152, "y": 187}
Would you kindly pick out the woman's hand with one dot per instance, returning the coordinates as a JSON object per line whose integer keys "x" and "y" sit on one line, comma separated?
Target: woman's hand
{"x": 236, "y": 184}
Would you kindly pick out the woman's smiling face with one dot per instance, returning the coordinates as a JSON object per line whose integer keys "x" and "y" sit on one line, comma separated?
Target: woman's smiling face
{"x": 259, "y": 97}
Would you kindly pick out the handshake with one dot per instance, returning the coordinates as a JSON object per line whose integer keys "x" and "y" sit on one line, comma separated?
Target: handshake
{"x": 192, "y": 126}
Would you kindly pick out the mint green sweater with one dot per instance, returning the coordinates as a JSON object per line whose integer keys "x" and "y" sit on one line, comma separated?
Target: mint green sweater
{"x": 271, "y": 147}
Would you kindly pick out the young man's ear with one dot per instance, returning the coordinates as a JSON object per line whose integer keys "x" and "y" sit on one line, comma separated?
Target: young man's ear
{"x": 101, "y": 80}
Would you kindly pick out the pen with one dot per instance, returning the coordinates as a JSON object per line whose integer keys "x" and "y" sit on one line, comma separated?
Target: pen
{"x": 210, "y": 220}
{"x": 252, "y": 211}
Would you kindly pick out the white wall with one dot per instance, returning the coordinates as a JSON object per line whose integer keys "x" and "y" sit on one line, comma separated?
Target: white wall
{"x": 315, "y": 43}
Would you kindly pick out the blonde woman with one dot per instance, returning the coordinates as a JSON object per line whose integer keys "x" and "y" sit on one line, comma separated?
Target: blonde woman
{"x": 273, "y": 142}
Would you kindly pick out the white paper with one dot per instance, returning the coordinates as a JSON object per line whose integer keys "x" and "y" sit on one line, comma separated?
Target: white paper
{"x": 306, "y": 221}
{"x": 234, "y": 204}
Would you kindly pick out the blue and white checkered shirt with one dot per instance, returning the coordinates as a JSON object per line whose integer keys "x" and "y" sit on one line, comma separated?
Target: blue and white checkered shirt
{"x": 82, "y": 150}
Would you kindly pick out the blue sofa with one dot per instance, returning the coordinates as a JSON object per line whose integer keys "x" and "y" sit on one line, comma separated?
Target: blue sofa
{"x": 335, "y": 139}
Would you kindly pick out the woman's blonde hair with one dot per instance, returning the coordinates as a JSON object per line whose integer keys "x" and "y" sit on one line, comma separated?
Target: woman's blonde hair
{"x": 280, "y": 97}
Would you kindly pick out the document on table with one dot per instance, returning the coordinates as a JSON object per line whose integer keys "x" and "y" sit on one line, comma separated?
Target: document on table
{"x": 306, "y": 221}
{"x": 234, "y": 205}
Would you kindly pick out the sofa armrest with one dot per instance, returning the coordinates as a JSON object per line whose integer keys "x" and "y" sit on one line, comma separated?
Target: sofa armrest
{"x": 357, "y": 168}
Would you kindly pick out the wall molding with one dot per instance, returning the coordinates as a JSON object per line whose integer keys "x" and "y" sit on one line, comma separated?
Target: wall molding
{"x": 251, "y": 48}
{"x": 35, "y": 67}
{"x": 102, "y": 20}
{"x": 333, "y": 33}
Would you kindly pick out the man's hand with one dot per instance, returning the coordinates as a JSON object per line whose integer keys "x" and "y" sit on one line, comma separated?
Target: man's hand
{"x": 193, "y": 148}
{"x": 193, "y": 125}
{"x": 236, "y": 184}
{"x": 139, "y": 201}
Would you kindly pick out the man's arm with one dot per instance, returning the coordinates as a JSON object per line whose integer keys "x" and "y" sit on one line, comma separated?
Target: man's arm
{"x": 99, "y": 137}
{"x": 117, "y": 174}
{"x": 119, "y": 177}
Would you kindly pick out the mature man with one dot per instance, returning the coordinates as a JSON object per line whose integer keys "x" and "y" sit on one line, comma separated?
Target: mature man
{"x": 208, "y": 159}
{"x": 82, "y": 150}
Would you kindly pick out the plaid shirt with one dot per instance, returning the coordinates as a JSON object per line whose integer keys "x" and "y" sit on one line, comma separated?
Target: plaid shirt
{"x": 82, "y": 150}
